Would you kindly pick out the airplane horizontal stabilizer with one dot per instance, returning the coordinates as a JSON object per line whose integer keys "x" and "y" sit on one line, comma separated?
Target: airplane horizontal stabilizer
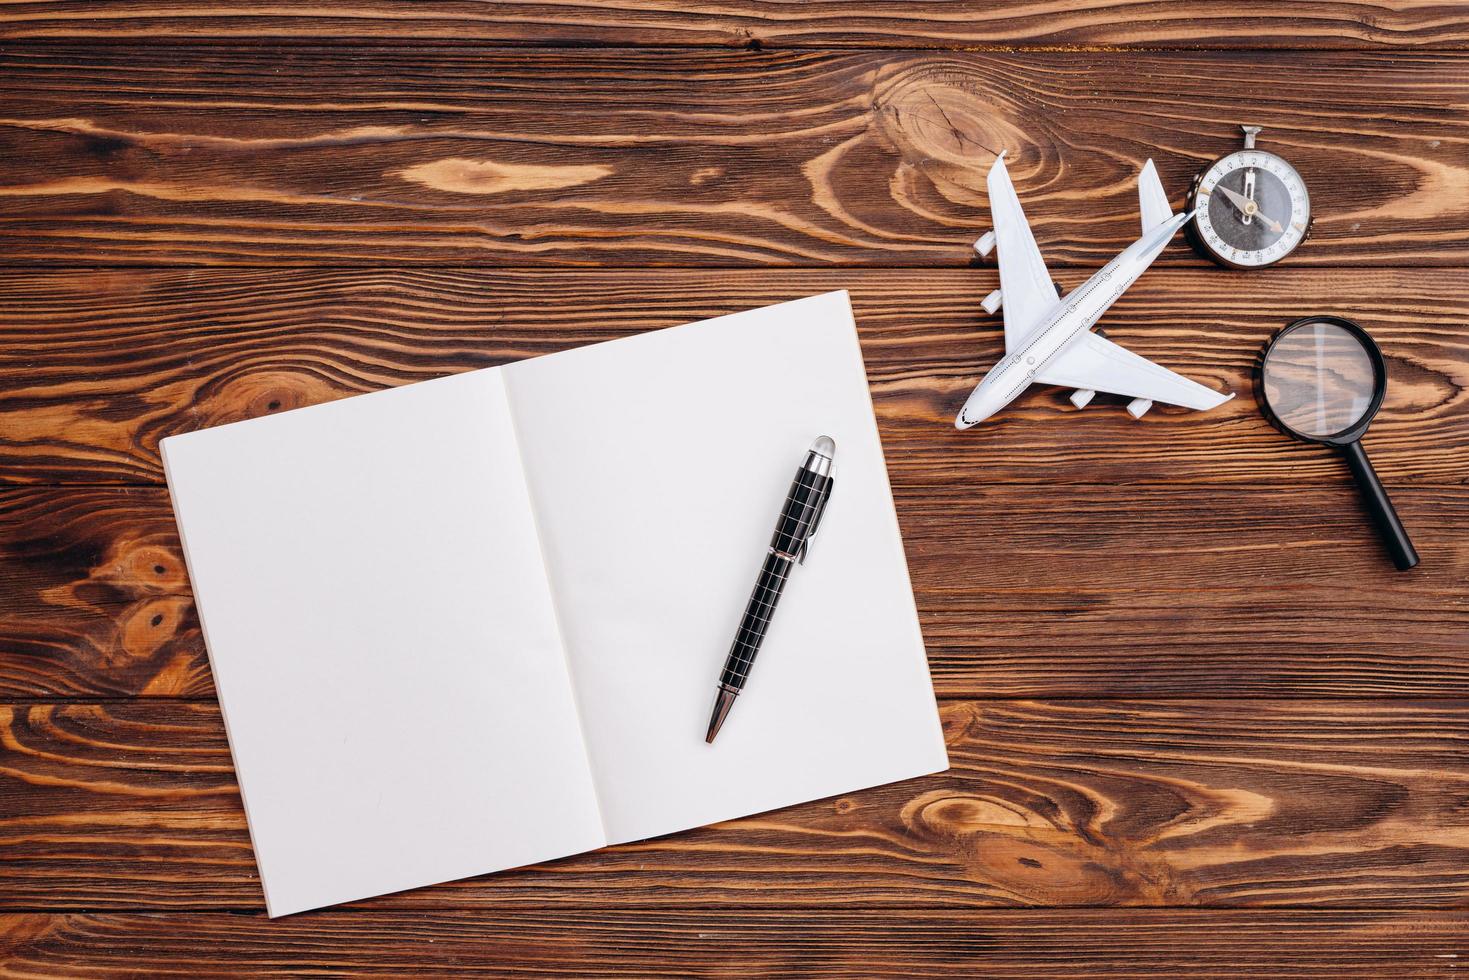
{"x": 1152, "y": 200}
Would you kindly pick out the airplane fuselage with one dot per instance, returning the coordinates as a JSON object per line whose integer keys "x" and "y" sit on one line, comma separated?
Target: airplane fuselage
{"x": 1072, "y": 316}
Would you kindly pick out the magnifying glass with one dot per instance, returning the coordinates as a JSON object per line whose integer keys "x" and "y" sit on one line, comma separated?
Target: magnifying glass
{"x": 1321, "y": 379}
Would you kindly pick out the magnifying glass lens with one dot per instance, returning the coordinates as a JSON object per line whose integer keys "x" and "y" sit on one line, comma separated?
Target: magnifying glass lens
{"x": 1319, "y": 379}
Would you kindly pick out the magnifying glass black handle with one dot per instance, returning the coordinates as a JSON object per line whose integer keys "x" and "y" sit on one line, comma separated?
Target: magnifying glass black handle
{"x": 1394, "y": 535}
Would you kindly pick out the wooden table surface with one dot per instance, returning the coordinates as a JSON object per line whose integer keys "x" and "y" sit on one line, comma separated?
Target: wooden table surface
{"x": 1199, "y": 725}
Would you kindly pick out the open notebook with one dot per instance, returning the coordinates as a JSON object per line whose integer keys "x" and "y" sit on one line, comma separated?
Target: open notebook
{"x": 476, "y": 623}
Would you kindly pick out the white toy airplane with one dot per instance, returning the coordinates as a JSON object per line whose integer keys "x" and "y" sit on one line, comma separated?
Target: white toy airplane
{"x": 1048, "y": 338}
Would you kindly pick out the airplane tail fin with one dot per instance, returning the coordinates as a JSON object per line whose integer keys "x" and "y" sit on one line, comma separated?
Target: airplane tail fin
{"x": 1151, "y": 199}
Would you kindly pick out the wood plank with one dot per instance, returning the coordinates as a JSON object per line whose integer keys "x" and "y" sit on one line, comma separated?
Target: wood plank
{"x": 1143, "y": 591}
{"x": 97, "y": 366}
{"x": 822, "y": 944}
{"x": 361, "y": 155}
{"x": 922, "y": 24}
{"x": 132, "y": 805}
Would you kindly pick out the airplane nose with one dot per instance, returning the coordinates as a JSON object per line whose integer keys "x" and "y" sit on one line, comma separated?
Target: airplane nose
{"x": 975, "y": 410}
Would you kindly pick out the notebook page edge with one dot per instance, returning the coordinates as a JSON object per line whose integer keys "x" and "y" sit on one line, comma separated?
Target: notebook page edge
{"x": 916, "y": 627}
{"x": 219, "y": 682}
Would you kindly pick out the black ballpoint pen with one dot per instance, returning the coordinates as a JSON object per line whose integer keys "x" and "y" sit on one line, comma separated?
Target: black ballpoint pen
{"x": 799, "y": 518}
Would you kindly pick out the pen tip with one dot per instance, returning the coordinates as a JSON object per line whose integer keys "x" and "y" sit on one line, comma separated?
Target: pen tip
{"x": 722, "y": 703}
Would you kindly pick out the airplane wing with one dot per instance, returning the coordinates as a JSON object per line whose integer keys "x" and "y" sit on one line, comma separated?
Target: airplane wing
{"x": 1025, "y": 286}
{"x": 1095, "y": 362}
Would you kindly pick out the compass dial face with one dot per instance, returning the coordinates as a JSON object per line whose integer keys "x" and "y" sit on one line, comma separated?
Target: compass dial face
{"x": 1253, "y": 209}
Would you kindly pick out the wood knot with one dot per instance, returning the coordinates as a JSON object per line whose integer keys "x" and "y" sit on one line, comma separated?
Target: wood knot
{"x": 150, "y": 625}
{"x": 944, "y": 813}
{"x": 251, "y": 394}
{"x": 149, "y": 567}
{"x": 1007, "y": 841}
{"x": 958, "y": 719}
{"x": 940, "y": 120}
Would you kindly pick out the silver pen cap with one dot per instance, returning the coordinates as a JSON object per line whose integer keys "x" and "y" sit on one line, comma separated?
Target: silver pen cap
{"x": 820, "y": 457}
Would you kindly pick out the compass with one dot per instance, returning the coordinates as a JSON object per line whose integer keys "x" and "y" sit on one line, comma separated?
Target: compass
{"x": 1251, "y": 208}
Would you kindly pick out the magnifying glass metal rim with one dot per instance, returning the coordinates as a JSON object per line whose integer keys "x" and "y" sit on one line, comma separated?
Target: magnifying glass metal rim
{"x": 1357, "y": 429}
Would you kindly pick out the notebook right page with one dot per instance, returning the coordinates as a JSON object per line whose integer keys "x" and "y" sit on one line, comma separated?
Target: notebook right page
{"x": 658, "y": 465}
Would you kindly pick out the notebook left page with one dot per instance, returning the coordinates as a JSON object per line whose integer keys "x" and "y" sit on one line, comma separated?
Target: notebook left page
{"x": 383, "y": 641}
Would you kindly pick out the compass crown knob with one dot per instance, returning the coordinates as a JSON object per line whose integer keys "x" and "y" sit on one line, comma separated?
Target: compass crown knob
{"x": 1250, "y": 133}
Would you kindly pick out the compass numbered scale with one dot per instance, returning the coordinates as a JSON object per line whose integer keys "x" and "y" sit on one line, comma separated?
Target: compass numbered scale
{"x": 1251, "y": 208}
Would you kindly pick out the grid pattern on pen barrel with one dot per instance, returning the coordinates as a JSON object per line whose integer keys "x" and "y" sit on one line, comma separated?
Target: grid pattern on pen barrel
{"x": 801, "y": 507}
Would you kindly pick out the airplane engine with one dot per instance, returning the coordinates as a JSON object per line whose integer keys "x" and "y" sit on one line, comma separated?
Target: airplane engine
{"x": 1082, "y": 397}
{"x": 991, "y": 303}
{"x": 985, "y": 245}
{"x": 1138, "y": 407}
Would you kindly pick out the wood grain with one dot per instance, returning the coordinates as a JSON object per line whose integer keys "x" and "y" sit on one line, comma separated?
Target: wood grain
{"x": 365, "y": 155}
{"x": 97, "y": 366}
{"x": 928, "y": 23}
{"x": 1151, "y": 591}
{"x": 821, "y": 944}
{"x": 1179, "y": 679}
{"x": 132, "y": 805}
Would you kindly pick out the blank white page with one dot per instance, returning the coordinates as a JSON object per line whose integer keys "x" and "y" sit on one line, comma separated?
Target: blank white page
{"x": 658, "y": 466}
{"x": 383, "y": 641}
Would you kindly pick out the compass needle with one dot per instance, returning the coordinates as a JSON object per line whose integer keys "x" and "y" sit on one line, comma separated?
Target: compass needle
{"x": 1250, "y": 209}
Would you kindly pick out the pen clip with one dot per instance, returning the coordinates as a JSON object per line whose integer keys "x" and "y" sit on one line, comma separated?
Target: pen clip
{"x": 815, "y": 522}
